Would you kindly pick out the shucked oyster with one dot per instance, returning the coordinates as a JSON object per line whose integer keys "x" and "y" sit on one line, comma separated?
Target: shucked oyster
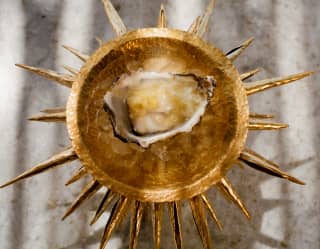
{"x": 147, "y": 106}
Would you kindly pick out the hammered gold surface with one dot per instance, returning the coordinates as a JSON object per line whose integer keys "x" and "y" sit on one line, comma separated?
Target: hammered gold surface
{"x": 177, "y": 168}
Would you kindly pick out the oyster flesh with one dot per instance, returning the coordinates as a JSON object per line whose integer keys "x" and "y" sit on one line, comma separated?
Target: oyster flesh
{"x": 147, "y": 107}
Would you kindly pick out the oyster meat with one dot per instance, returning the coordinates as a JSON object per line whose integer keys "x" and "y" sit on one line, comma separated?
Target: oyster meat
{"x": 147, "y": 107}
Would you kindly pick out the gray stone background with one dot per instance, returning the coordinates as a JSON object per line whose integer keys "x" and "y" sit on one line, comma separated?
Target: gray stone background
{"x": 287, "y": 37}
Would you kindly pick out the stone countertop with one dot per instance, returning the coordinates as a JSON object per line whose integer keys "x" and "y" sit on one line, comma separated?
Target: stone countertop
{"x": 287, "y": 38}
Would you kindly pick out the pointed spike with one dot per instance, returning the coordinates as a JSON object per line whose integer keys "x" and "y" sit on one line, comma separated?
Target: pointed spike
{"x": 136, "y": 224}
{"x": 275, "y": 82}
{"x": 175, "y": 219}
{"x": 200, "y": 219}
{"x": 257, "y": 162}
{"x": 64, "y": 157}
{"x": 114, "y": 18}
{"x": 89, "y": 190}
{"x": 105, "y": 203}
{"x": 249, "y": 74}
{"x": 52, "y": 117}
{"x": 226, "y": 185}
{"x": 211, "y": 211}
{"x": 54, "y": 110}
{"x": 200, "y": 25}
{"x": 71, "y": 70}
{"x": 256, "y": 155}
{"x": 261, "y": 116}
{"x": 235, "y": 53}
{"x": 79, "y": 174}
{"x": 194, "y": 26}
{"x": 162, "y": 20}
{"x": 203, "y": 27}
{"x": 157, "y": 221}
{"x": 62, "y": 79}
{"x": 225, "y": 194}
{"x": 117, "y": 215}
{"x": 230, "y": 52}
{"x": 266, "y": 126}
{"x": 77, "y": 53}
{"x": 99, "y": 41}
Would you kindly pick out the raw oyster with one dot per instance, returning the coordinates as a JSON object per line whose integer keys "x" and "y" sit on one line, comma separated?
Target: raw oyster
{"x": 147, "y": 107}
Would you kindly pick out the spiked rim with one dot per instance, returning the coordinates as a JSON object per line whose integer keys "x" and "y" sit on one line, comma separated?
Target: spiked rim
{"x": 130, "y": 198}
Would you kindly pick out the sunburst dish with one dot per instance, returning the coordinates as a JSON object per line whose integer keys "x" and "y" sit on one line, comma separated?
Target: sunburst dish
{"x": 157, "y": 116}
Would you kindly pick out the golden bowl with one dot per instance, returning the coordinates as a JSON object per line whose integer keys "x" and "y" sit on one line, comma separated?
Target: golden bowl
{"x": 176, "y": 168}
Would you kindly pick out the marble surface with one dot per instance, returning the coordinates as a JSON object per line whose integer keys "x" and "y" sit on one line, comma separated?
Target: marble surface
{"x": 287, "y": 38}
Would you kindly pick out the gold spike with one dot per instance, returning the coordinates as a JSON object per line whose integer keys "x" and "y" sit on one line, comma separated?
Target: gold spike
{"x": 80, "y": 174}
{"x": 235, "y": 53}
{"x": 225, "y": 194}
{"x": 105, "y": 203}
{"x": 99, "y": 41}
{"x": 114, "y": 18}
{"x": 200, "y": 219}
{"x": 227, "y": 188}
{"x": 211, "y": 211}
{"x": 266, "y": 126}
{"x": 62, "y": 79}
{"x": 66, "y": 156}
{"x": 136, "y": 224}
{"x": 257, "y": 162}
{"x": 275, "y": 82}
{"x": 205, "y": 19}
{"x": 249, "y": 74}
{"x": 52, "y": 117}
{"x": 117, "y": 215}
{"x": 89, "y": 190}
{"x": 77, "y": 53}
{"x": 54, "y": 110}
{"x": 162, "y": 20}
{"x": 71, "y": 70}
{"x": 261, "y": 116}
{"x": 200, "y": 25}
{"x": 157, "y": 220}
{"x": 255, "y": 154}
{"x": 175, "y": 219}
{"x": 195, "y": 24}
